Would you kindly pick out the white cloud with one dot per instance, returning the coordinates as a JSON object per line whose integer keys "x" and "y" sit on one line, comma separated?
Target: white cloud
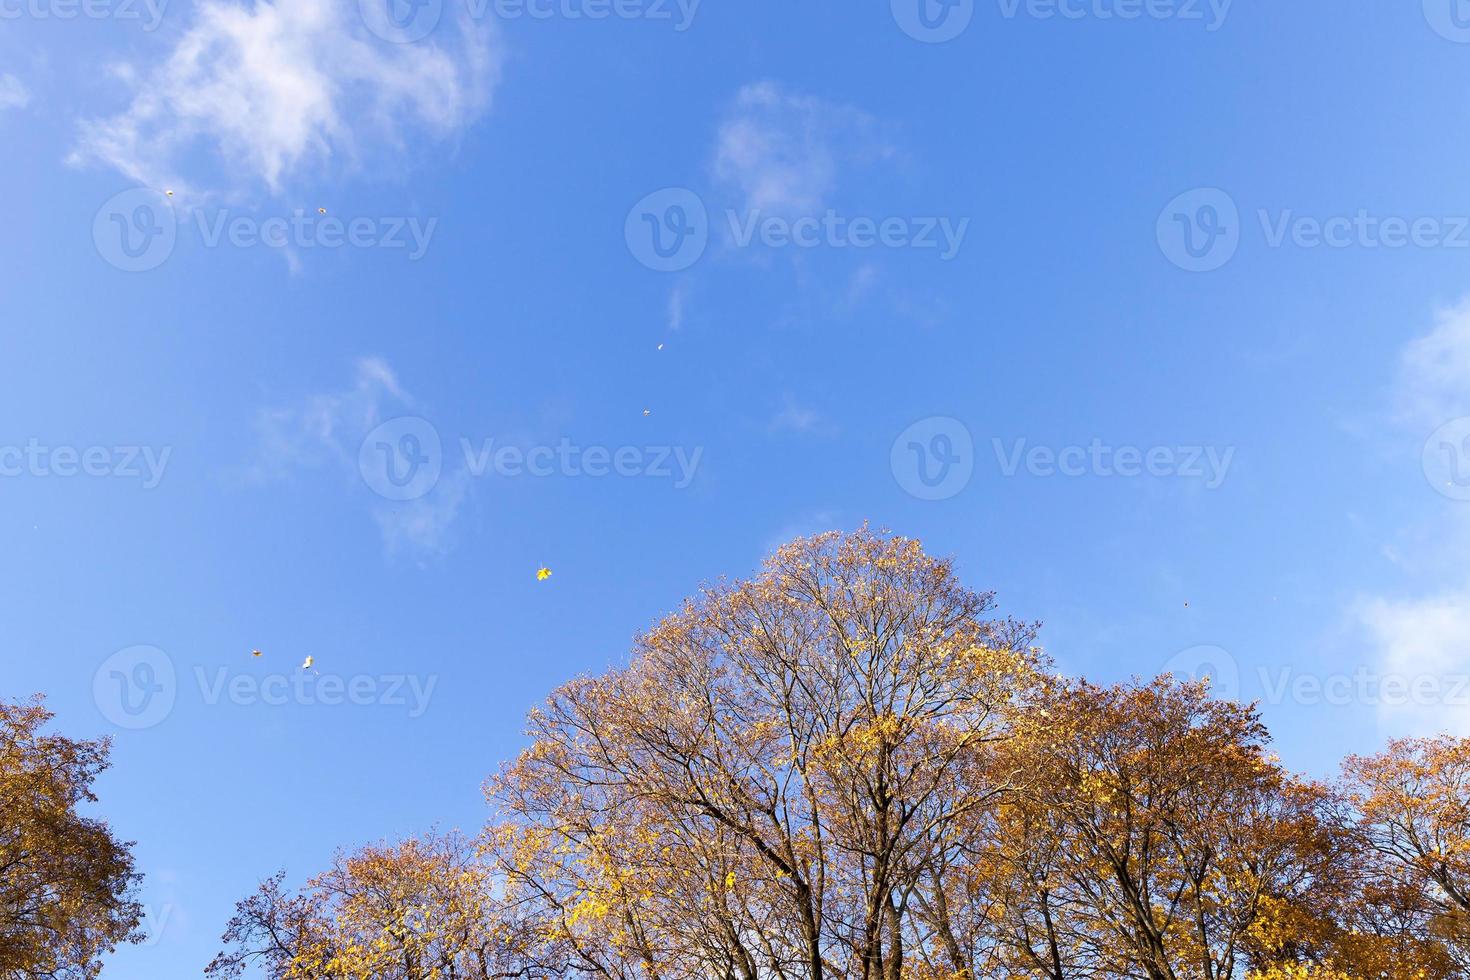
{"x": 677, "y": 299}
{"x": 325, "y": 432}
{"x": 13, "y": 94}
{"x": 1423, "y": 685}
{"x": 271, "y": 88}
{"x": 861, "y": 284}
{"x": 803, "y": 526}
{"x": 795, "y": 417}
{"x": 326, "y": 428}
{"x": 1434, "y": 375}
{"x": 785, "y": 152}
{"x": 1421, "y": 643}
{"x": 422, "y": 525}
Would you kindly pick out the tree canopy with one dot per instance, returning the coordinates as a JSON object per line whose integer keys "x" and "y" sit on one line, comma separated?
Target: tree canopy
{"x": 850, "y": 768}
{"x": 66, "y": 882}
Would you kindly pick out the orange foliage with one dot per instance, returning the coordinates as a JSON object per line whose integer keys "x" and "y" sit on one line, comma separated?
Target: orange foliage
{"x": 66, "y": 883}
{"x": 848, "y": 767}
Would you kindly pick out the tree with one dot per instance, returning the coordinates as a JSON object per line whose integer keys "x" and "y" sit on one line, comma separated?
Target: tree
{"x": 1412, "y": 804}
{"x": 776, "y": 784}
{"x": 1153, "y": 836}
{"x": 420, "y": 909}
{"x": 67, "y": 885}
{"x": 847, "y": 768}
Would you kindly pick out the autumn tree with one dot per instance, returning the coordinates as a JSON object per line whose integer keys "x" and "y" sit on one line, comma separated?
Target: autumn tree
{"x": 1412, "y": 804}
{"x": 419, "y": 909}
{"x": 1153, "y": 836}
{"x": 775, "y": 786}
{"x": 849, "y": 768}
{"x": 67, "y": 885}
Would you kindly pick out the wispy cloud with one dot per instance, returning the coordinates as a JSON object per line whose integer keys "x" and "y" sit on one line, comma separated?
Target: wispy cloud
{"x": 677, "y": 298}
{"x": 785, "y": 152}
{"x": 802, "y": 526}
{"x": 325, "y": 432}
{"x": 795, "y": 417}
{"x": 1423, "y": 662}
{"x": 13, "y": 93}
{"x": 267, "y": 89}
{"x": 421, "y": 526}
{"x": 1424, "y": 639}
{"x": 325, "y": 429}
{"x": 1434, "y": 370}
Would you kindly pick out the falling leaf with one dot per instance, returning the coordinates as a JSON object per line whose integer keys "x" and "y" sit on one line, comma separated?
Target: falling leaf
{"x": 542, "y": 574}
{"x": 306, "y": 664}
{"x": 255, "y": 653}
{"x": 321, "y": 210}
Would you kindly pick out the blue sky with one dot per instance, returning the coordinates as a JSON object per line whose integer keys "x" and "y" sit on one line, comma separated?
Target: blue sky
{"x": 1152, "y": 315}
